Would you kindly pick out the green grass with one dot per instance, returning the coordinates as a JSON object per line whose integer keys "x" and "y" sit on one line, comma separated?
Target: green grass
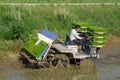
{"x": 59, "y": 1}
{"x": 10, "y": 47}
{"x": 57, "y": 19}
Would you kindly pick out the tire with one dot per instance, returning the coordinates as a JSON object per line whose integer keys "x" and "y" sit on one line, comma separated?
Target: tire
{"x": 54, "y": 63}
{"x": 64, "y": 61}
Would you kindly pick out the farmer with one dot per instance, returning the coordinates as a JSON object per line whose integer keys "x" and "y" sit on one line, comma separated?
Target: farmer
{"x": 74, "y": 35}
{"x": 79, "y": 38}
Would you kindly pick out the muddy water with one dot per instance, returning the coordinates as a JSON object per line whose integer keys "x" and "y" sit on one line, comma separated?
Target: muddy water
{"x": 73, "y": 73}
{"x": 108, "y": 66}
{"x": 105, "y": 68}
{"x": 108, "y": 72}
{"x": 10, "y": 69}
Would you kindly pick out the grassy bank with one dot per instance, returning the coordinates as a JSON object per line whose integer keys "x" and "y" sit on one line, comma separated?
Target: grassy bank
{"x": 57, "y": 19}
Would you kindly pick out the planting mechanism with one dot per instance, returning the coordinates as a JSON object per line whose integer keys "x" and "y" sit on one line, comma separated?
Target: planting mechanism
{"x": 40, "y": 51}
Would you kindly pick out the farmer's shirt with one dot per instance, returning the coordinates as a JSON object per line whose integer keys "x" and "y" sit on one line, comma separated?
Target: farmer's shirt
{"x": 74, "y": 35}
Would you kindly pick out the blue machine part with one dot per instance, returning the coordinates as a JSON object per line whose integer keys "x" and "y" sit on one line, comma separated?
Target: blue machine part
{"x": 43, "y": 52}
{"x": 50, "y": 35}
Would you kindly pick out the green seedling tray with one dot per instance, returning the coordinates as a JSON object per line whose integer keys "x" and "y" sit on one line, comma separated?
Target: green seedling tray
{"x": 84, "y": 24}
{"x": 99, "y": 39}
{"x": 98, "y": 44}
{"x": 98, "y": 34}
{"x": 102, "y": 35}
{"x": 35, "y": 50}
{"x": 97, "y": 29}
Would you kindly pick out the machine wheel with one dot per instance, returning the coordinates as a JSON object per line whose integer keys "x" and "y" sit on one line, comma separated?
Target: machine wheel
{"x": 54, "y": 63}
{"x": 27, "y": 60}
{"x": 64, "y": 61}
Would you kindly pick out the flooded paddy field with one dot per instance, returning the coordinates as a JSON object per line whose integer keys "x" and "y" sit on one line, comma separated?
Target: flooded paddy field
{"x": 105, "y": 68}
{"x": 10, "y": 72}
{"x": 108, "y": 67}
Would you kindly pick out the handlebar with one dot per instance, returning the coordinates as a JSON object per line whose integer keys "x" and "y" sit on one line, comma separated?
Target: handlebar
{"x": 85, "y": 36}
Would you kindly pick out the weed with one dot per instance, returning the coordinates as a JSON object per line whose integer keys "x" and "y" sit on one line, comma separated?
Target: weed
{"x": 13, "y": 45}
